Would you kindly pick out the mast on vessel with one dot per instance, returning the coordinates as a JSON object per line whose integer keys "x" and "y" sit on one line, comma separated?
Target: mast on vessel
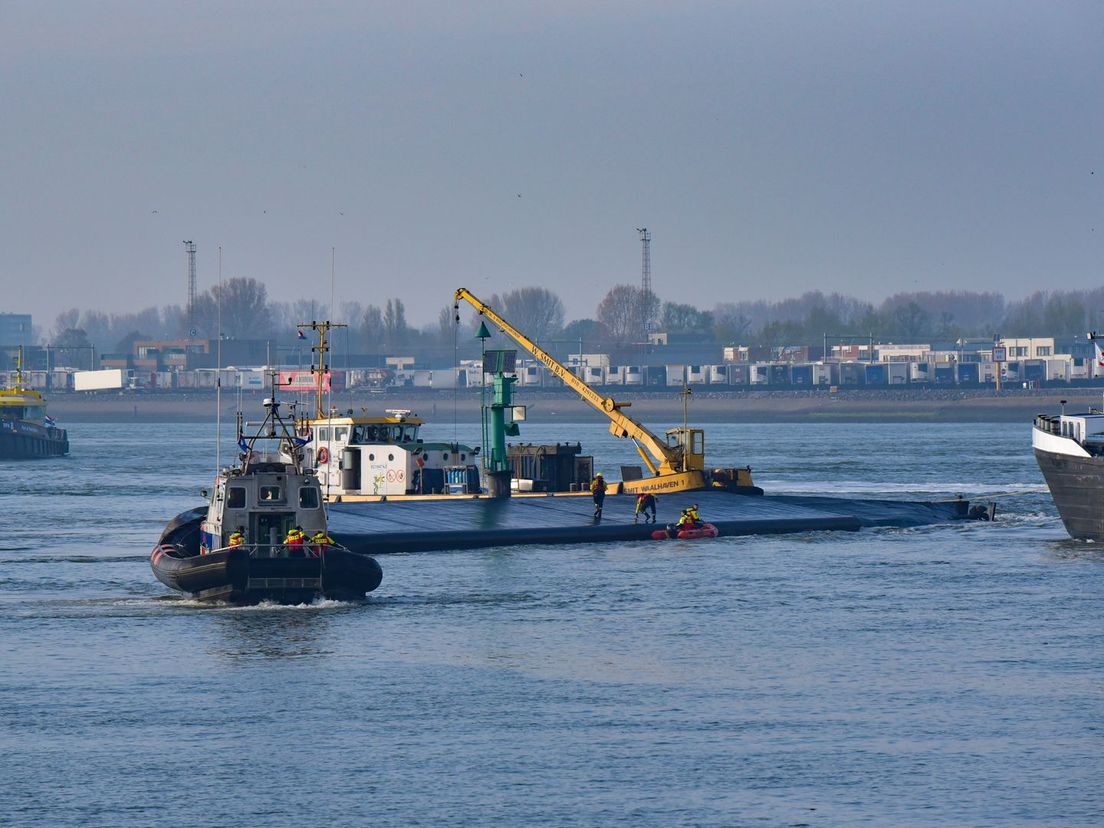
{"x": 319, "y": 366}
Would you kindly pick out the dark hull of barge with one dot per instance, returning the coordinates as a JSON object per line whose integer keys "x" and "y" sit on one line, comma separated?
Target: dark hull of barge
{"x": 1077, "y": 486}
{"x": 416, "y": 526}
{"x": 20, "y": 440}
{"x": 421, "y": 525}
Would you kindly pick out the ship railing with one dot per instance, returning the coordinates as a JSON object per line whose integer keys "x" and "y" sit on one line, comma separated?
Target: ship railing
{"x": 282, "y": 550}
{"x": 1048, "y": 423}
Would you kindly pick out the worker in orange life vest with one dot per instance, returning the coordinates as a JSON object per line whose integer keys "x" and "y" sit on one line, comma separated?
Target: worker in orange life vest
{"x": 294, "y": 542}
{"x": 646, "y": 506}
{"x": 598, "y": 493}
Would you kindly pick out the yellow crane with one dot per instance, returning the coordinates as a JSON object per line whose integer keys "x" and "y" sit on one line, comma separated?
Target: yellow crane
{"x": 676, "y": 464}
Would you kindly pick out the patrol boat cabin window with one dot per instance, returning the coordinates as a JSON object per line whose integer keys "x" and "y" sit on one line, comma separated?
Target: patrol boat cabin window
{"x": 270, "y": 494}
{"x": 308, "y": 498}
{"x": 235, "y": 497}
{"x": 340, "y": 433}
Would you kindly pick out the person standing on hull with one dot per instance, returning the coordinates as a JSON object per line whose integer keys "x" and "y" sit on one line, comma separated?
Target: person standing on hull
{"x": 646, "y": 506}
{"x": 598, "y": 494}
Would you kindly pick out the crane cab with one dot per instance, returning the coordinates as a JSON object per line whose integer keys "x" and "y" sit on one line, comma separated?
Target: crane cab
{"x": 691, "y": 441}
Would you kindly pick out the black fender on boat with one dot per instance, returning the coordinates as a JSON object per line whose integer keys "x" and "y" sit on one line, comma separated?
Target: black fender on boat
{"x": 183, "y": 530}
{"x": 195, "y": 573}
{"x": 348, "y": 575}
{"x": 235, "y": 576}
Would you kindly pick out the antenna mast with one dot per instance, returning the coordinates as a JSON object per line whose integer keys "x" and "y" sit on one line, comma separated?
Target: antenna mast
{"x": 321, "y": 368}
{"x": 190, "y": 247}
{"x": 645, "y": 279}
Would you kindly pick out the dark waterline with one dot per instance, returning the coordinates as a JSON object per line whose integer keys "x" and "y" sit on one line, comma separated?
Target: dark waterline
{"x": 923, "y": 677}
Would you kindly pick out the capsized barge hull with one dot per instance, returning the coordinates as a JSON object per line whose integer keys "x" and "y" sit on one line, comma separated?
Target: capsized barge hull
{"x": 422, "y": 525}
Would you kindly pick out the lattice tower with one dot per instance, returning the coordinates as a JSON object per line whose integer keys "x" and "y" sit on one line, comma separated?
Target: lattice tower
{"x": 645, "y": 277}
{"x": 191, "y": 248}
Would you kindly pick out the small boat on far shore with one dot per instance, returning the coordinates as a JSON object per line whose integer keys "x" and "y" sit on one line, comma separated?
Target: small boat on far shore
{"x": 27, "y": 432}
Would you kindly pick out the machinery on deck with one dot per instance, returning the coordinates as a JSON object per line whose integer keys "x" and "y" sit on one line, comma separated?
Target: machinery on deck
{"x": 675, "y": 464}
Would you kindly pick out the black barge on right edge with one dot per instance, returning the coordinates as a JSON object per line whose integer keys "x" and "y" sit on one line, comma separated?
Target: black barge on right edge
{"x": 1070, "y": 451}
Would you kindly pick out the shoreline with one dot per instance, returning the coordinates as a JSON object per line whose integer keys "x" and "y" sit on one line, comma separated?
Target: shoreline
{"x": 653, "y": 408}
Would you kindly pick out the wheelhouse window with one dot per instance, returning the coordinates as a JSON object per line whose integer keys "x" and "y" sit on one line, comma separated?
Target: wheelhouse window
{"x": 341, "y": 433}
{"x": 235, "y": 497}
{"x": 364, "y": 434}
{"x": 270, "y": 494}
{"x": 324, "y": 434}
{"x": 308, "y": 497}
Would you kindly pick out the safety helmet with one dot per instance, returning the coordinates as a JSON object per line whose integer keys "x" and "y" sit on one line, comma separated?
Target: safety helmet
{"x": 598, "y": 474}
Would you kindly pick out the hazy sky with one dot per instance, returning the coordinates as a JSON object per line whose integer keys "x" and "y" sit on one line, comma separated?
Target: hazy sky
{"x": 771, "y": 148}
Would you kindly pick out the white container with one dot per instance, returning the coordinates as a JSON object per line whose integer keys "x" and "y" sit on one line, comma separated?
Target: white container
{"x": 97, "y": 380}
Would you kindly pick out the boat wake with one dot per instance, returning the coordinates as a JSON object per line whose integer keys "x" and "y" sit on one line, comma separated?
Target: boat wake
{"x": 187, "y": 602}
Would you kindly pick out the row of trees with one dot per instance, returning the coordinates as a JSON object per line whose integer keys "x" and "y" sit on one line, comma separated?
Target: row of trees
{"x": 619, "y": 319}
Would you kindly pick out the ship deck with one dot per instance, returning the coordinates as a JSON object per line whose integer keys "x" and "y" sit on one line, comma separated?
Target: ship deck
{"x": 420, "y": 525}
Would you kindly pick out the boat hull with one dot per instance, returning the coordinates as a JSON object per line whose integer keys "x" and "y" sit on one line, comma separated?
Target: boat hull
{"x": 1077, "y": 486}
{"x": 423, "y": 525}
{"x": 378, "y": 528}
{"x": 234, "y": 577}
{"x": 21, "y": 440}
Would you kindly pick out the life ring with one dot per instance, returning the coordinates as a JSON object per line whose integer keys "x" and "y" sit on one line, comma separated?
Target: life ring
{"x": 323, "y": 455}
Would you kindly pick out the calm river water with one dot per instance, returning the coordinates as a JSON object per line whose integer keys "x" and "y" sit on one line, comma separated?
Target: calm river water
{"x": 945, "y": 675}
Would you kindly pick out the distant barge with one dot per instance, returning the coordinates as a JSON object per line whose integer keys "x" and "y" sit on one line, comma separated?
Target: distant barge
{"x": 26, "y": 431}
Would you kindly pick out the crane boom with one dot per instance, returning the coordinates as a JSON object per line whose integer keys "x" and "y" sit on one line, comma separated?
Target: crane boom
{"x": 662, "y": 460}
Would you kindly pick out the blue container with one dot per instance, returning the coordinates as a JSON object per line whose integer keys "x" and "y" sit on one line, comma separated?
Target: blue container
{"x": 1034, "y": 370}
{"x": 462, "y": 479}
{"x": 968, "y": 373}
{"x": 875, "y": 374}
{"x": 852, "y": 373}
{"x": 802, "y": 375}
